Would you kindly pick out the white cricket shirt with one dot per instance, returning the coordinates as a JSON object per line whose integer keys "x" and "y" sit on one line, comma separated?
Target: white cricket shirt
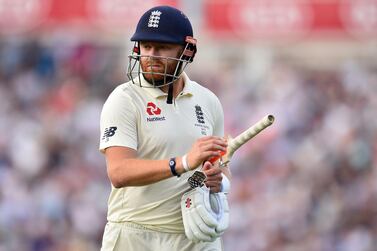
{"x": 140, "y": 118}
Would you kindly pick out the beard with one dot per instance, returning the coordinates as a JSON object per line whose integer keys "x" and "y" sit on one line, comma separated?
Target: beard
{"x": 154, "y": 71}
{"x": 160, "y": 81}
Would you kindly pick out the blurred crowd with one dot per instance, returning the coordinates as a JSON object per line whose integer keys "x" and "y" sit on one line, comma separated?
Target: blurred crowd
{"x": 53, "y": 183}
{"x": 307, "y": 183}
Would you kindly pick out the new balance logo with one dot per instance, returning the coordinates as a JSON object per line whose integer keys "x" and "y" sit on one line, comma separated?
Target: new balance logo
{"x": 109, "y": 132}
{"x": 154, "y": 19}
{"x": 152, "y": 109}
{"x": 199, "y": 114}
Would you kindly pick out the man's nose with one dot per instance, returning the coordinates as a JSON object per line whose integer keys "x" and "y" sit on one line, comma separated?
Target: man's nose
{"x": 154, "y": 52}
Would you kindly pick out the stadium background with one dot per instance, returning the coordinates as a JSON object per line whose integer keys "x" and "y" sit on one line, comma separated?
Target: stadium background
{"x": 308, "y": 183}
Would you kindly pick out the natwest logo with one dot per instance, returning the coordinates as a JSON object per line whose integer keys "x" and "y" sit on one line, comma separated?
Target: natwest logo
{"x": 152, "y": 109}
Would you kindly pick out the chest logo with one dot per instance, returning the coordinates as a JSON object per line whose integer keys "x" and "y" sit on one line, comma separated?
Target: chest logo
{"x": 199, "y": 114}
{"x": 201, "y": 122}
{"x": 152, "y": 109}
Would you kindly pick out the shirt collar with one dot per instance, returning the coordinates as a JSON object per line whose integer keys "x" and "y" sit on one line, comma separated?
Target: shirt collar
{"x": 188, "y": 87}
{"x": 157, "y": 93}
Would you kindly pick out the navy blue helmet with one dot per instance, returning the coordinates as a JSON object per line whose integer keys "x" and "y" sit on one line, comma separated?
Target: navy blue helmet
{"x": 163, "y": 24}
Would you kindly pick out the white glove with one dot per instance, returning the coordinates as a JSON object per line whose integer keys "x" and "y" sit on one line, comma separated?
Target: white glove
{"x": 205, "y": 215}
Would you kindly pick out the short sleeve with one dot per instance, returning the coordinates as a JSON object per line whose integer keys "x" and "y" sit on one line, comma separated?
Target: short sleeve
{"x": 118, "y": 122}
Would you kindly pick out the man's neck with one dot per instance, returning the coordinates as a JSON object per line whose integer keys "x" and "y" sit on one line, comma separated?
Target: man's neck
{"x": 178, "y": 87}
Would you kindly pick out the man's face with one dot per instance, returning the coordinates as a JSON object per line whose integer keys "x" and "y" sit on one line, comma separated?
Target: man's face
{"x": 148, "y": 62}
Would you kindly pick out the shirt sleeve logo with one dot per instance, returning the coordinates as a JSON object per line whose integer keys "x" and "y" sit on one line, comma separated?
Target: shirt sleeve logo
{"x": 109, "y": 132}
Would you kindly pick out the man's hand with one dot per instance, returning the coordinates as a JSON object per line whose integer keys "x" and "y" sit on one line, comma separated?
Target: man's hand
{"x": 214, "y": 177}
{"x": 204, "y": 149}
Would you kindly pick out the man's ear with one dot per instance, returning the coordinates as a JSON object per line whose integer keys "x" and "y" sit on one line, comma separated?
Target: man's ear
{"x": 180, "y": 51}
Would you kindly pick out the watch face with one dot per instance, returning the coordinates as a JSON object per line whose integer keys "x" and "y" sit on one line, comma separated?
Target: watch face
{"x": 171, "y": 162}
{"x": 197, "y": 179}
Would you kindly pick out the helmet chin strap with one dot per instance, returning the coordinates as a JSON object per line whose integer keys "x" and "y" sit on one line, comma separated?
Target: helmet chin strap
{"x": 169, "y": 100}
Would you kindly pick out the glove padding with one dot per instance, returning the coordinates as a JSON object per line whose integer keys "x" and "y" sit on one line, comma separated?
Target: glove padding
{"x": 205, "y": 215}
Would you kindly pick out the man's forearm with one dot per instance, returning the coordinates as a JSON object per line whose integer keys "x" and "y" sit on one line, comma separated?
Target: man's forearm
{"x": 140, "y": 172}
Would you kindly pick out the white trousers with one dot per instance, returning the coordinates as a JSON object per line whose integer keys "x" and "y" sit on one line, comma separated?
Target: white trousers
{"x": 130, "y": 236}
